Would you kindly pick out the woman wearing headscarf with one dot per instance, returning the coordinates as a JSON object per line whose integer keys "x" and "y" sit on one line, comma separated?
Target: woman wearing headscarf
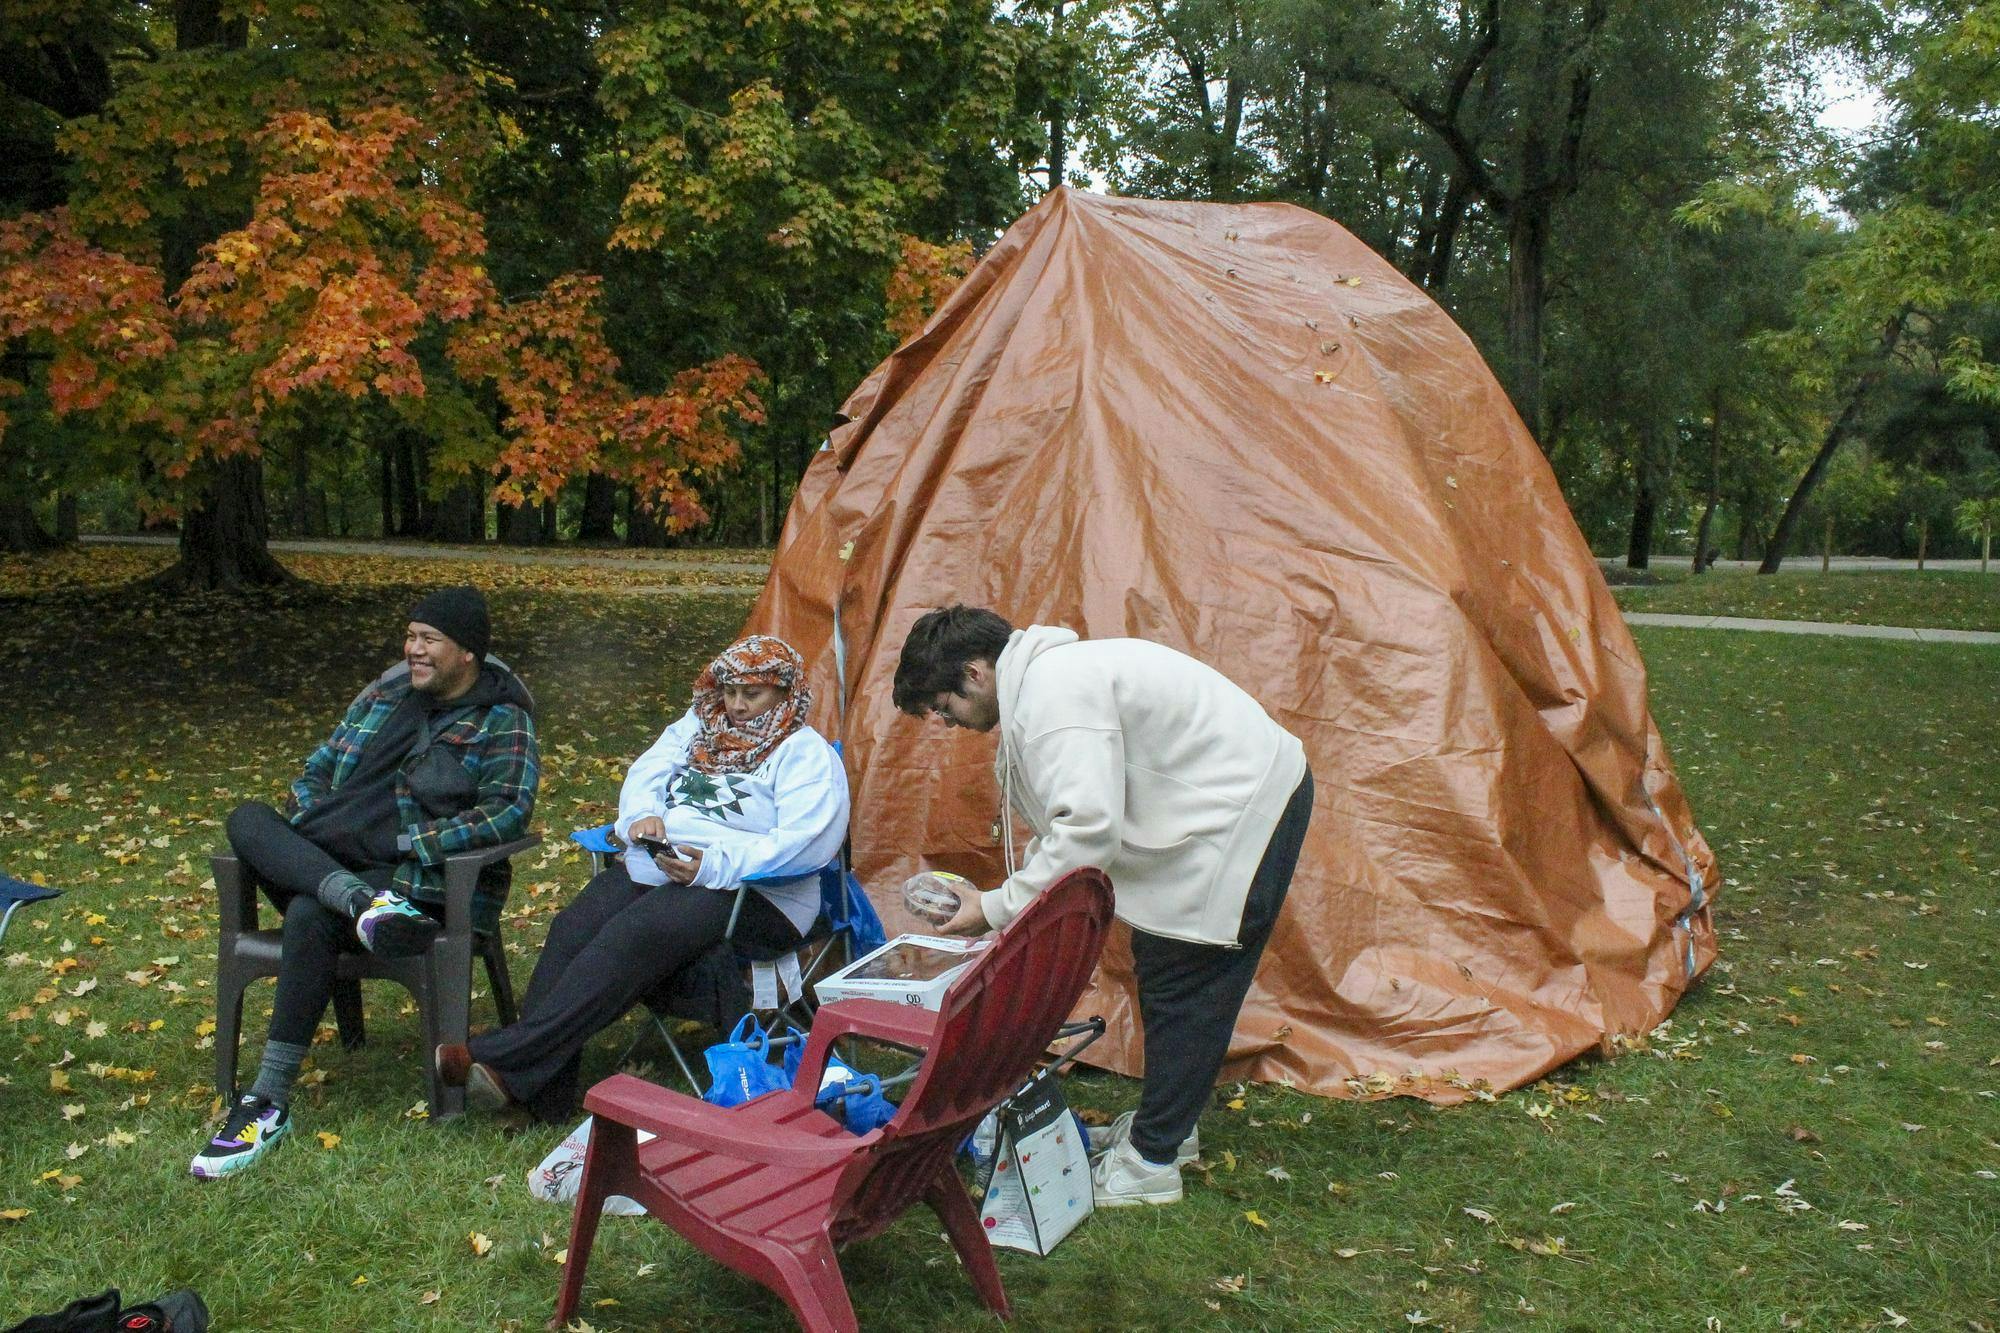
{"x": 740, "y": 788}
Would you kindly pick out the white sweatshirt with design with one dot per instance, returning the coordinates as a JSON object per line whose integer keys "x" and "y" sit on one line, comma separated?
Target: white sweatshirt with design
{"x": 782, "y": 820}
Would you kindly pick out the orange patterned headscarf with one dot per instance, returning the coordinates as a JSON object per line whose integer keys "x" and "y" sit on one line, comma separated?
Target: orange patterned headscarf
{"x": 724, "y": 746}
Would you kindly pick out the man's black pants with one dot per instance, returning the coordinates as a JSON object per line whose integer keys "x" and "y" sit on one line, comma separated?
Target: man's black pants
{"x": 614, "y": 943}
{"x": 292, "y": 867}
{"x": 1190, "y": 994}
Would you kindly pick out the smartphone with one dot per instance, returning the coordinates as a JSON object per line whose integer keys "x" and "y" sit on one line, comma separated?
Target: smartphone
{"x": 658, "y": 848}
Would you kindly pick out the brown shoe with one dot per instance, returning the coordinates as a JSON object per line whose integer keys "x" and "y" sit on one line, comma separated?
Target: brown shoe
{"x": 484, "y": 1089}
{"x": 454, "y": 1064}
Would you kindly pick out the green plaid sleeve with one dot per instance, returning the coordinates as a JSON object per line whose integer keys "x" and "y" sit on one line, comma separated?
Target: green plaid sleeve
{"x": 510, "y": 771}
{"x": 336, "y": 755}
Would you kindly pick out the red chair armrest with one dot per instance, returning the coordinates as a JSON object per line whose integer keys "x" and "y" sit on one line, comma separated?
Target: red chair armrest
{"x": 684, "y": 1120}
{"x": 878, "y": 1020}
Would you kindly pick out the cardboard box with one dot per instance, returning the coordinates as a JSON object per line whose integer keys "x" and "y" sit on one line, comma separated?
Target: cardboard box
{"x": 910, "y": 969}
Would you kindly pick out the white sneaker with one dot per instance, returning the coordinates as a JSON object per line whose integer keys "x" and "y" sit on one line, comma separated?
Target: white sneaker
{"x": 1103, "y": 1138}
{"x": 1122, "y": 1178}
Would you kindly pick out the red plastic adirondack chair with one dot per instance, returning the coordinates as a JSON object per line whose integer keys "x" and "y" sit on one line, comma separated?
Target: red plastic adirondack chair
{"x": 774, "y": 1188}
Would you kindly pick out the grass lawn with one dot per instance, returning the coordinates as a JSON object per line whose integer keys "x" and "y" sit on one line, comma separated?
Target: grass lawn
{"x": 1812, "y": 1142}
{"x": 1934, "y": 599}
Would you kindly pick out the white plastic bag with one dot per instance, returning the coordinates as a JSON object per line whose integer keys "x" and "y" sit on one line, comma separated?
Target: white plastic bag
{"x": 559, "y": 1176}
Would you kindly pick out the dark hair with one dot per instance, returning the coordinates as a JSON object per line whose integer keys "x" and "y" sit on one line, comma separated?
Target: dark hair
{"x": 937, "y": 649}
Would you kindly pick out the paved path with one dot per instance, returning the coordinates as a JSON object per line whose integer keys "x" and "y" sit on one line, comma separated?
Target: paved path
{"x": 1815, "y": 627}
{"x": 1809, "y": 564}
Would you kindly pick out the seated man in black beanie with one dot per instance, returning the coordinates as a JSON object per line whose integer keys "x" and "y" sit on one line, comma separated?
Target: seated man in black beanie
{"x": 440, "y": 761}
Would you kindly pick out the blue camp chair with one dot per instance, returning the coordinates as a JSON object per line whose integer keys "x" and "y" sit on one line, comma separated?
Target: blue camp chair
{"x": 16, "y": 893}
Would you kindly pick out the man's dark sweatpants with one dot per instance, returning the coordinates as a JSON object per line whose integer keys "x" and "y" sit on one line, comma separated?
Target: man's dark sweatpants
{"x": 1190, "y": 994}
{"x": 292, "y": 868}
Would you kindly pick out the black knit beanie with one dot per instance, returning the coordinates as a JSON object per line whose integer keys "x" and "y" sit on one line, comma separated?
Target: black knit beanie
{"x": 459, "y": 612}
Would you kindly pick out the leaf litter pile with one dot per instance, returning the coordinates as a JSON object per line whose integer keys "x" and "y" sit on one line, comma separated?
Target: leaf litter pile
{"x": 1812, "y": 1141}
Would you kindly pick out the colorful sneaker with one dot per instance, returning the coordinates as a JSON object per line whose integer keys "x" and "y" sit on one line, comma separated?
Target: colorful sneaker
{"x": 1103, "y": 1138}
{"x": 1122, "y": 1177}
{"x": 254, "y": 1125}
{"x": 395, "y": 927}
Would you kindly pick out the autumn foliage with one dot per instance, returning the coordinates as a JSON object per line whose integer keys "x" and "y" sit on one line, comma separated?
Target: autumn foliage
{"x": 923, "y": 277}
{"x": 355, "y": 274}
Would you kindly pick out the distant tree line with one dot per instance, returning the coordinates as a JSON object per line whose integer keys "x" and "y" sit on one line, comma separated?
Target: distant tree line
{"x": 595, "y": 271}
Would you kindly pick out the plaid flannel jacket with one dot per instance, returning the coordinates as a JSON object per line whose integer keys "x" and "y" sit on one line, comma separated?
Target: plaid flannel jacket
{"x": 497, "y": 746}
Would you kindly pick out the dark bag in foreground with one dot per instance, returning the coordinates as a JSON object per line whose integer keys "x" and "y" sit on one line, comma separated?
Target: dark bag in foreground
{"x": 176, "y": 1312}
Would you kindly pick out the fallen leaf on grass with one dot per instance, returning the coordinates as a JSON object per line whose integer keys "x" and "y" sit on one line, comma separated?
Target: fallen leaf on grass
{"x": 1800, "y": 1134}
{"x": 1560, "y": 1209}
{"x": 1256, "y": 1221}
{"x": 326, "y": 1140}
{"x": 360, "y": 1280}
{"x": 1233, "y": 1283}
{"x": 480, "y": 1242}
{"x": 72, "y": 1110}
{"x": 1895, "y": 1320}
{"x": 1278, "y": 1173}
{"x": 1479, "y": 1215}
{"x": 430, "y": 1298}
{"x": 14, "y": 1214}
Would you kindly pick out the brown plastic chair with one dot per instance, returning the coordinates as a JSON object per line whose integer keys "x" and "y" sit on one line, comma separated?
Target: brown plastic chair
{"x": 440, "y": 980}
{"x": 774, "y": 1188}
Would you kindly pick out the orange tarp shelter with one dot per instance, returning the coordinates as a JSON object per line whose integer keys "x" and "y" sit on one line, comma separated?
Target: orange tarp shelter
{"x": 1235, "y": 430}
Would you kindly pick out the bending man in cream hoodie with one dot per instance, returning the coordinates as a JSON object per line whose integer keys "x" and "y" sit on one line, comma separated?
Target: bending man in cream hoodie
{"x": 1154, "y": 767}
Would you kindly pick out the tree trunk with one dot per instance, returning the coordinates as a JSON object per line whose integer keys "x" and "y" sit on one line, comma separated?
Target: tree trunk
{"x": 641, "y": 528}
{"x": 224, "y": 542}
{"x": 1527, "y": 259}
{"x": 1836, "y": 434}
{"x": 1714, "y": 496}
{"x": 19, "y": 530}
{"x": 548, "y": 522}
{"x": 388, "y": 491}
{"x": 600, "y": 510}
{"x": 409, "y": 502}
{"x": 66, "y": 518}
{"x": 1058, "y": 148}
{"x": 520, "y": 525}
{"x": 225, "y": 534}
{"x": 1639, "y": 544}
{"x": 1923, "y": 541}
{"x": 1826, "y": 550}
{"x": 301, "y": 479}
{"x": 457, "y": 517}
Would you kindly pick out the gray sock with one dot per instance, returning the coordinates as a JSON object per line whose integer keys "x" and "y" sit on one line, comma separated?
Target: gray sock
{"x": 345, "y": 892}
{"x": 280, "y": 1066}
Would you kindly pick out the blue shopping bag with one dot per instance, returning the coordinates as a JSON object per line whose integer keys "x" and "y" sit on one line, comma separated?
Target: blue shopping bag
{"x": 741, "y": 1067}
{"x": 857, "y": 1103}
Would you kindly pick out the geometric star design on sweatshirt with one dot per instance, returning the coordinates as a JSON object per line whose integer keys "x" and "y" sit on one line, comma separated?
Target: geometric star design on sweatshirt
{"x": 703, "y": 791}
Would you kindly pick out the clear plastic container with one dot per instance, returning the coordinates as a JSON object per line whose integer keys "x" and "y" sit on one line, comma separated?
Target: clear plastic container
{"x": 934, "y": 895}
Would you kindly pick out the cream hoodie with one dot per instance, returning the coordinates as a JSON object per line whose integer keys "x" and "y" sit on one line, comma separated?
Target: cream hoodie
{"x": 1146, "y": 763}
